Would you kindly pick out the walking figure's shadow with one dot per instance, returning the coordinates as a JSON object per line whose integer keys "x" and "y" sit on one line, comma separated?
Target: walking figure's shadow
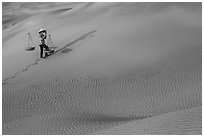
{"x": 66, "y": 50}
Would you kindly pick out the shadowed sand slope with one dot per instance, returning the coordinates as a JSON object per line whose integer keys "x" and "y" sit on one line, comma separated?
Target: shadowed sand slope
{"x": 119, "y": 68}
{"x": 179, "y": 122}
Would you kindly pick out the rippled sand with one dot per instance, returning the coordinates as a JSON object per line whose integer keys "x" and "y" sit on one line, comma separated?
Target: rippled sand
{"x": 119, "y": 68}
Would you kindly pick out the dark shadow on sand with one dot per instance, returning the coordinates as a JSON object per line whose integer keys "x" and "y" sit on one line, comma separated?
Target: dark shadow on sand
{"x": 97, "y": 117}
{"x": 75, "y": 41}
{"x": 103, "y": 118}
{"x": 67, "y": 50}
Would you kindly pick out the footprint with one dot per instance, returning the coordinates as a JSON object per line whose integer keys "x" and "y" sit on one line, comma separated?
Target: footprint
{"x": 37, "y": 60}
{"x": 29, "y": 66}
{"x": 25, "y": 69}
{"x": 6, "y": 79}
{"x": 17, "y": 73}
{"x": 13, "y": 76}
{"x": 35, "y": 63}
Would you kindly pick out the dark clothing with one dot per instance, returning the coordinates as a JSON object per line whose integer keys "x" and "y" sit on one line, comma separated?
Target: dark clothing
{"x": 41, "y": 49}
{"x": 42, "y": 45}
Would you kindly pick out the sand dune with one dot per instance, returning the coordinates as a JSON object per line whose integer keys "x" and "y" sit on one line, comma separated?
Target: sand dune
{"x": 170, "y": 123}
{"x": 119, "y": 68}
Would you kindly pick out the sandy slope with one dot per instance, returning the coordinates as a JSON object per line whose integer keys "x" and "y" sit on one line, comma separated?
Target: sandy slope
{"x": 170, "y": 123}
{"x": 115, "y": 63}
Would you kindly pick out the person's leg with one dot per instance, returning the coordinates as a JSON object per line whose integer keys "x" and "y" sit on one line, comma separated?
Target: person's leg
{"x": 46, "y": 48}
{"x": 41, "y": 51}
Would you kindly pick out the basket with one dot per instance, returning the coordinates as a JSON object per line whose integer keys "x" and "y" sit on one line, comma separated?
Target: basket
{"x": 31, "y": 46}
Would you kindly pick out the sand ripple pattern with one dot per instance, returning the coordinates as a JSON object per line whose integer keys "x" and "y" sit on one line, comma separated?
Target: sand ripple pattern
{"x": 82, "y": 103}
{"x": 174, "y": 123}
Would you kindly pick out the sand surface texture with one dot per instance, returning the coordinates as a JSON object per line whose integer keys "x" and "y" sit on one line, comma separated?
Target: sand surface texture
{"x": 119, "y": 68}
